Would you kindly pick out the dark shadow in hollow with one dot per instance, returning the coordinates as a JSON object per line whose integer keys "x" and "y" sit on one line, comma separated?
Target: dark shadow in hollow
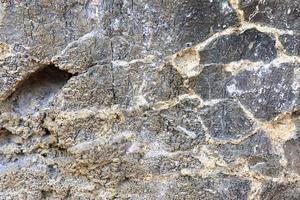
{"x": 38, "y": 90}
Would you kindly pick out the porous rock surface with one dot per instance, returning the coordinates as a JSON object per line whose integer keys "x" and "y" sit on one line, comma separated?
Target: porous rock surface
{"x": 160, "y": 99}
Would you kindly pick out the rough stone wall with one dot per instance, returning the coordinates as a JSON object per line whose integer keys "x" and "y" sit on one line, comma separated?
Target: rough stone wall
{"x": 150, "y": 99}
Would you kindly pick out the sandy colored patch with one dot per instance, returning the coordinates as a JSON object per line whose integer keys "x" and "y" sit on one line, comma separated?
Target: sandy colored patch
{"x": 4, "y": 50}
{"x": 280, "y": 129}
{"x": 187, "y": 62}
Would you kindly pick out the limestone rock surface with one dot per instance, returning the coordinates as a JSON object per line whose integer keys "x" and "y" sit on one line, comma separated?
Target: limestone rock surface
{"x": 147, "y": 100}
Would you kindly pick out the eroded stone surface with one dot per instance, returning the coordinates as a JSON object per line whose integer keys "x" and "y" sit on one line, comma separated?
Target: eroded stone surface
{"x": 257, "y": 150}
{"x": 257, "y": 145}
{"x": 14, "y": 69}
{"x": 38, "y": 90}
{"x": 226, "y": 120}
{"x": 142, "y": 99}
{"x": 277, "y": 13}
{"x": 219, "y": 187}
{"x": 211, "y": 83}
{"x": 291, "y": 149}
{"x": 250, "y": 45}
{"x": 291, "y": 44}
{"x": 267, "y": 91}
{"x": 273, "y": 190}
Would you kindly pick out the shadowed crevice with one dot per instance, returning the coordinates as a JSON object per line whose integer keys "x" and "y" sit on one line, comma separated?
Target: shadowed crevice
{"x": 35, "y": 93}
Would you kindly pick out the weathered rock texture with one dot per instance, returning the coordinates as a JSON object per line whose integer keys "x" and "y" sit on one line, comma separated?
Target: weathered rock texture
{"x": 140, "y": 99}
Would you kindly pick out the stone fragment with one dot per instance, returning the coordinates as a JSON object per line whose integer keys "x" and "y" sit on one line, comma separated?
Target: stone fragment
{"x": 291, "y": 151}
{"x": 282, "y": 14}
{"x": 195, "y": 20}
{"x": 175, "y": 128}
{"x": 250, "y": 45}
{"x": 181, "y": 126}
{"x": 257, "y": 150}
{"x": 291, "y": 44}
{"x": 100, "y": 86}
{"x": 219, "y": 187}
{"x": 265, "y": 92}
{"x": 278, "y": 191}
{"x": 216, "y": 187}
{"x": 257, "y": 145}
{"x": 211, "y": 83}
{"x": 226, "y": 120}
{"x": 123, "y": 85}
{"x": 167, "y": 84}
{"x": 43, "y": 28}
{"x": 83, "y": 53}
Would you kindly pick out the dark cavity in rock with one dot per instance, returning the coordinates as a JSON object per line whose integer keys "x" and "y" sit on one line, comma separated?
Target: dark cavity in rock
{"x": 35, "y": 93}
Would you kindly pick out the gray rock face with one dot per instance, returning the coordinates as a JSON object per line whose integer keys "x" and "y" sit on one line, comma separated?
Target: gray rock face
{"x": 280, "y": 14}
{"x": 211, "y": 83}
{"x": 291, "y": 150}
{"x": 190, "y": 15}
{"x": 226, "y": 120}
{"x": 281, "y": 191}
{"x": 172, "y": 99}
{"x": 221, "y": 187}
{"x": 218, "y": 187}
{"x": 291, "y": 44}
{"x": 249, "y": 45}
{"x": 267, "y": 91}
{"x": 257, "y": 145}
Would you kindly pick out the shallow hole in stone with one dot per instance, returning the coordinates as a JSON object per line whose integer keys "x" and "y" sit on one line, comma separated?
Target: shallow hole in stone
{"x": 38, "y": 90}
{"x": 6, "y": 137}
